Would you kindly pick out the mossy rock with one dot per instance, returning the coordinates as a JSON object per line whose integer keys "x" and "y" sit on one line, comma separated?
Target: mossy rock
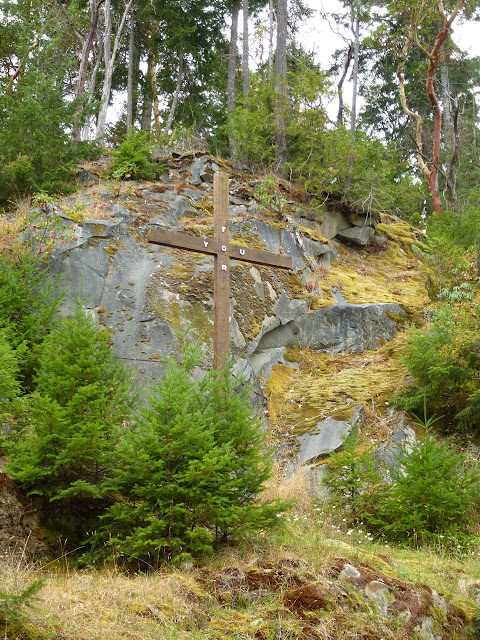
{"x": 24, "y": 631}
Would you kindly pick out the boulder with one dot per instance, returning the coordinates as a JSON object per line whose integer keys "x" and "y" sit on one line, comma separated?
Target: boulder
{"x": 358, "y": 235}
{"x": 340, "y": 327}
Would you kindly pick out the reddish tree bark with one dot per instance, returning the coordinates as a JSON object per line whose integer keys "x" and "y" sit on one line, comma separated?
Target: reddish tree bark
{"x": 429, "y": 170}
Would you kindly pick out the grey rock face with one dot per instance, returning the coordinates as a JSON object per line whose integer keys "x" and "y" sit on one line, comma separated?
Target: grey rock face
{"x": 341, "y": 327}
{"x": 388, "y": 454}
{"x": 379, "y": 593}
{"x": 328, "y": 435}
{"x": 358, "y": 235}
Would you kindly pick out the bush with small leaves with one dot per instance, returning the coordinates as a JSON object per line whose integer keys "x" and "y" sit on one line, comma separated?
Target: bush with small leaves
{"x": 435, "y": 495}
{"x": 191, "y": 469}
{"x": 352, "y": 478}
{"x": 133, "y": 159}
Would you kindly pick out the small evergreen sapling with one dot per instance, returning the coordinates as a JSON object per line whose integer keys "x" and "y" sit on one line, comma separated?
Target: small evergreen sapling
{"x": 435, "y": 494}
{"x": 82, "y": 397}
{"x": 352, "y": 478}
{"x": 190, "y": 470}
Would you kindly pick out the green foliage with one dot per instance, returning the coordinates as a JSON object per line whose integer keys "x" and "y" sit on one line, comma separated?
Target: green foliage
{"x": 133, "y": 159}
{"x": 29, "y": 302}
{"x": 352, "y": 478}
{"x": 12, "y": 605}
{"x": 367, "y": 176}
{"x": 268, "y": 195}
{"x": 82, "y": 397}
{"x": 9, "y": 374}
{"x": 444, "y": 362}
{"x": 434, "y": 497}
{"x": 190, "y": 470}
{"x": 37, "y": 152}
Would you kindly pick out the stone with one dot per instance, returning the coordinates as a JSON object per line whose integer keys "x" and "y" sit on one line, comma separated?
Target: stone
{"x": 388, "y": 454}
{"x": 358, "y": 235}
{"x": 263, "y": 362}
{"x": 198, "y": 170}
{"x": 428, "y": 630}
{"x": 349, "y": 572}
{"x": 100, "y": 228}
{"x": 332, "y": 224}
{"x": 106, "y": 194}
{"x": 119, "y": 210}
{"x": 380, "y": 595}
{"x": 328, "y": 435}
{"x": 369, "y": 220}
{"x": 340, "y": 327}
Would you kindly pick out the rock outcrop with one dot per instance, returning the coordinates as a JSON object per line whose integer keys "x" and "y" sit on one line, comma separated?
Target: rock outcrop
{"x": 337, "y": 300}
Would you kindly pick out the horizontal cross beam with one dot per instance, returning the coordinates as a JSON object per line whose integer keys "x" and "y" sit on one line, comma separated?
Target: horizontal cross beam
{"x": 216, "y": 248}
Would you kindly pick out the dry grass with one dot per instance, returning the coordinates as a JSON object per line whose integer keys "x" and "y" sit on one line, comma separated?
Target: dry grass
{"x": 332, "y": 384}
{"x": 206, "y": 603}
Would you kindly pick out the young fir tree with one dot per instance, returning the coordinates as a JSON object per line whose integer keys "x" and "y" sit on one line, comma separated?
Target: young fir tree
{"x": 9, "y": 384}
{"x": 352, "y": 478}
{"x": 29, "y": 301}
{"x": 191, "y": 470}
{"x": 435, "y": 494}
{"x": 82, "y": 397}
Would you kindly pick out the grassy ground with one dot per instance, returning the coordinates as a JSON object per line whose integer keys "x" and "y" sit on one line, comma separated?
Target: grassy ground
{"x": 279, "y": 585}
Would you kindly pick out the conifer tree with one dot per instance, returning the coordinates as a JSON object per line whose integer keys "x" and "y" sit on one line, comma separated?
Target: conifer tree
{"x": 81, "y": 399}
{"x": 190, "y": 471}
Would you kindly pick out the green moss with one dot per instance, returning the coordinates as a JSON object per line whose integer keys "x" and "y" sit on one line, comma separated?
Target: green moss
{"x": 331, "y": 385}
{"x": 313, "y": 234}
{"x": 248, "y": 240}
{"x": 24, "y": 631}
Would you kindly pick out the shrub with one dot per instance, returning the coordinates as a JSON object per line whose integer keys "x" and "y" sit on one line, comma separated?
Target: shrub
{"x": 434, "y": 497}
{"x": 37, "y": 152}
{"x": 9, "y": 373}
{"x": 81, "y": 399}
{"x": 190, "y": 470}
{"x": 29, "y": 303}
{"x": 444, "y": 362}
{"x": 12, "y": 605}
{"x": 133, "y": 159}
{"x": 352, "y": 478}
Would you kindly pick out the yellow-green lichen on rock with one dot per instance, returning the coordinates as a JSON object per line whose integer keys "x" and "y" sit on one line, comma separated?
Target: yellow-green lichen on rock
{"x": 331, "y": 385}
{"x": 389, "y": 272}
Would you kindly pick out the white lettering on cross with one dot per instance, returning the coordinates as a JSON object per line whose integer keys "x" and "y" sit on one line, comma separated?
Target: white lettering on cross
{"x": 205, "y": 243}
{"x": 242, "y": 252}
{"x": 224, "y": 248}
{"x": 224, "y": 267}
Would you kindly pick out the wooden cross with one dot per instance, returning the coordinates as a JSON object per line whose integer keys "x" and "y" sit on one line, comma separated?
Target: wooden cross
{"x": 222, "y": 250}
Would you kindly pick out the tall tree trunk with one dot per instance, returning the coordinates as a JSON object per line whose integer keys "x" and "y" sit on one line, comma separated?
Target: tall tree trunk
{"x": 84, "y": 61}
{"x": 176, "y": 94}
{"x": 345, "y": 67}
{"x": 281, "y": 95}
{"x": 232, "y": 68}
{"x": 356, "y": 51}
{"x": 110, "y": 56}
{"x": 146, "y": 121}
{"x": 131, "y": 78}
{"x": 93, "y": 84}
{"x": 232, "y": 57}
{"x": 271, "y": 29}
{"x": 245, "y": 66}
{"x": 156, "y": 108}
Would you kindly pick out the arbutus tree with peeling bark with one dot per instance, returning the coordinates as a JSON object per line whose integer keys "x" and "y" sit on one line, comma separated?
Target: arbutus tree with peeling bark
{"x": 426, "y": 26}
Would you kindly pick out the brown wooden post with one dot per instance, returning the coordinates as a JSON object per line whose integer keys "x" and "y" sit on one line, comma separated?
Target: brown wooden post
{"x": 223, "y": 251}
{"x": 221, "y": 294}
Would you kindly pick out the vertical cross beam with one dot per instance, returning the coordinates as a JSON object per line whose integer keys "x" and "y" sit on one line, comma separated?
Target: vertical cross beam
{"x": 221, "y": 295}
